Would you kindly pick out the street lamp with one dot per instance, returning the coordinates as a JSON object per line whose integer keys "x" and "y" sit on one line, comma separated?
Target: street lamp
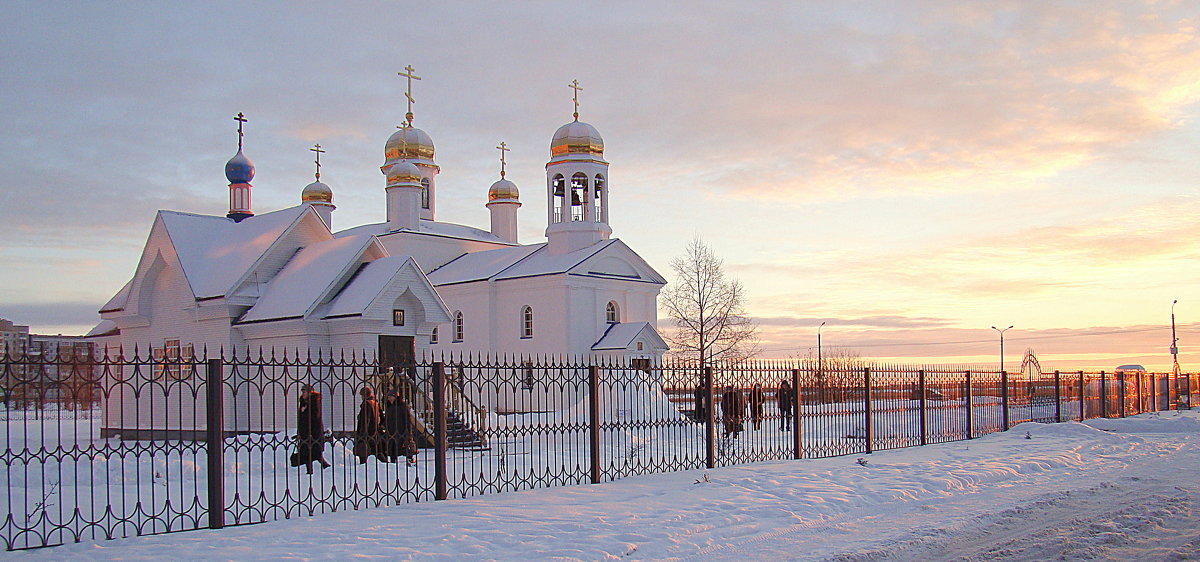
{"x": 1002, "y": 345}
{"x": 1174, "y": 340}
{"x": 820, "y": 360}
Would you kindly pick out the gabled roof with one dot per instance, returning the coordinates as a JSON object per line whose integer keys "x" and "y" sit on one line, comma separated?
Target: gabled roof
{"x": 118, "y": 301}
{"x": 297, "y": 289}
{"x": 104, "y": 328}
{"x": 535, "y": 260}
{"x": 478, "y": 266}
{"x": 216, "y": 252}
{"x": 623, "y": 335}
{"x": 372, "y": 280}
{"x": 432, "y": 228}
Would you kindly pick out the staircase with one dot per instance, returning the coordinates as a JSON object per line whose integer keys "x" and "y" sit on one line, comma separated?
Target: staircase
{"x": 465, "y": 422}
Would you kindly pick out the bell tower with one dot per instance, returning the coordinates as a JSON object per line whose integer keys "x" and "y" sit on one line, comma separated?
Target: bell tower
{"x": 576, "y": 186}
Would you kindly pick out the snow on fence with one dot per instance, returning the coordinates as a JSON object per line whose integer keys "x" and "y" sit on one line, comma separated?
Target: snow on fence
{"x": 119, "y": 445}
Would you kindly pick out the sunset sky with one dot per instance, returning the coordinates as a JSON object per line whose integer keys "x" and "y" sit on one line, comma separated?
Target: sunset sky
{"x": 909, "y": 173}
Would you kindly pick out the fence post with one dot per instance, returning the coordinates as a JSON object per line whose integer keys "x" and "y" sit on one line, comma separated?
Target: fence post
{"x": 1103, "y": 395}
{"x": 870, "y": 427}
{"x": 439, "y": 431}
{"x": 1082, "y": 397}
{"x": 1004, "y": 399}
{"x": 1141, "y": 403}
{"x": 1057, "y": 398}
{"x": 970, "y": 410}
{"x": 594, "y": 420}
{"x": 797, "y": 436}
{"x": 1121, "y": 392}
{"x": 710, "y": 435}
{"x": 215, "y": 434}
{"x": 921, "y": 389}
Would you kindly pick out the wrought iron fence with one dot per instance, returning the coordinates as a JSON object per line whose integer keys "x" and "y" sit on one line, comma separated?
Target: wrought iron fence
{"x": 126, "y": 443}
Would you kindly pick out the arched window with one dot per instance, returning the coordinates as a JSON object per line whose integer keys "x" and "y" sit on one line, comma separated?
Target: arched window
{"x": 559, "y": 186}
{"x": 433, "y": 337}
{"x": 598, "y": 200}
{"x": 612, "y": 314}
{"x": 579, "y": 185}
{"x": 424, "y": 193}
{"x": 527, "y": 322}
{"x": 458, "y": 326}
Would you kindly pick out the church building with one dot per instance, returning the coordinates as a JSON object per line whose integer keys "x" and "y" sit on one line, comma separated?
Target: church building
{"x": 408, "y": 286}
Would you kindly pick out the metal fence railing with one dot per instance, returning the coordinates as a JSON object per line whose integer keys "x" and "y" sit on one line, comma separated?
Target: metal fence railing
{"x": 132, "y": 444}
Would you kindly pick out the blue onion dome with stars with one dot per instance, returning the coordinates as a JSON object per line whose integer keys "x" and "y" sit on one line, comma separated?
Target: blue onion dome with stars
{"x": 239, "y": 169}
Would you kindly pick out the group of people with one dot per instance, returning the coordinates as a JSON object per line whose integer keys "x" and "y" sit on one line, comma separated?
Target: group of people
{"x": 385, "y": 431}
{"x": 734, "y": 403}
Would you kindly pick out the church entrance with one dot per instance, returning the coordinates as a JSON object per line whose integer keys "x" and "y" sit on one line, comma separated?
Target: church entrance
{"x": 399, "y": 353}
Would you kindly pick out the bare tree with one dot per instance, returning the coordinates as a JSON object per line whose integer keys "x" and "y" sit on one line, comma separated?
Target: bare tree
{"x": 710, "y": 323}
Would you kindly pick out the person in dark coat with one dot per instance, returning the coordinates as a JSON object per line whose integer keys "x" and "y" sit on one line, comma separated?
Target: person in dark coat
{"x": 399, "y": 440}
{"x": 733, "y": 410}
{"x": 698, "y": 400}
{"x": 757, "y": 400}
{"x": 784, "y": 396}
{"x": 310, "y": 431}
{"x": 367, "y": 430}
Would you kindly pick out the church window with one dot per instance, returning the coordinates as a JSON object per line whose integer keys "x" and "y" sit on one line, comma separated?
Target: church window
{"x": 458, "y": 326}
{"x": 398, "y": 317}
{"x": 527, "y": 322}
{"x": 173, "y": 360}
{"x": 612, "y": 314}
{"x": 424, "y": 193}
{"x": 433, "y": 337}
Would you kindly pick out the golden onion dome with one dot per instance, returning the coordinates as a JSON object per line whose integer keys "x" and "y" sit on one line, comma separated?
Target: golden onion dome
{"x": 316, "y": 192}
{"x": 403, "y": 172}
{"x": 576, "y": 137}
{"x": 409, "y": 142}
{"x": 503, "y": 190}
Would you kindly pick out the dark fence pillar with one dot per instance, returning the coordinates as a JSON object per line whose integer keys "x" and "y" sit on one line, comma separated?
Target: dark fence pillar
{"x": 1121, "y": 392}
{"x": 594, "y": 420}
{"x": 215, "y": 434}
{"x": 870, "y": 427}
{"x": 1057, "y": 398}
{"x": 439, "y": 431}
{"x": 797, "y": 435}
{"x": 1141, "y": 404}
{"x": 1004, "y": 399}
{"x": 1103, "y": 395}
{"x": 970, "y": 410}
{"x": 924, "y": 411}
{"x": 710, "y": 430}
{"x": 1082, "y": 397}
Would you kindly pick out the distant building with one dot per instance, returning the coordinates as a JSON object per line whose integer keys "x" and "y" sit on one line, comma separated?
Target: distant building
{"x": 14, "y": 339}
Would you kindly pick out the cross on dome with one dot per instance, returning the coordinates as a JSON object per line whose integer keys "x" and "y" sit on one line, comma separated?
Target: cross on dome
{"x": 502, "y": 148}
{"x": 410, "y": 74}
{"x": 241, "y": 119}
{"x": 317, "y": 149}
{"x": 574, "y": 85}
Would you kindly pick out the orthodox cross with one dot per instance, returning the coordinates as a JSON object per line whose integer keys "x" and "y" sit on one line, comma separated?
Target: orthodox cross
{"x": 317, "y": 148}
{"x": 409, "y": 73}
{"x": 502, "y": 148}
{"x": 241, "y": 119}
{"x": 574, "y": 85}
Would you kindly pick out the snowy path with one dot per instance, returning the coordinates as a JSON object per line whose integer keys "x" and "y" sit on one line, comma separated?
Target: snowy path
{"x": 1112, "y": 489}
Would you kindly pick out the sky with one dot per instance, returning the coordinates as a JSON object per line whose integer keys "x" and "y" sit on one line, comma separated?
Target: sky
{"x": 909, "y": 173}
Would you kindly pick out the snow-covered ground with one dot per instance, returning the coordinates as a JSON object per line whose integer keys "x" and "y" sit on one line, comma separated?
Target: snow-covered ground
{"x": 1107, "y": 489}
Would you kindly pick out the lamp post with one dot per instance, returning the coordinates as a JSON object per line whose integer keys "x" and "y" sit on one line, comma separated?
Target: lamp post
{"x": 1174, "y": 340}
{"x": 820, "y": 367}
{"x": 1002, "y": 345}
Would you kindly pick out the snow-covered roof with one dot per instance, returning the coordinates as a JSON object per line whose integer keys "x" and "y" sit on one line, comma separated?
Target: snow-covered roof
{"x": 118, "y": 301}
{"x": 306, "y": 277}
{"x": 368, "y": 283}
{"x": 104, "y": 328}
{"x": 542, "y": 263}
{"x": 216, "y": 252}
{"x": 478, "y": 266}
{"x": 622, "y": 335}
{"x": 433, "y": 228}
